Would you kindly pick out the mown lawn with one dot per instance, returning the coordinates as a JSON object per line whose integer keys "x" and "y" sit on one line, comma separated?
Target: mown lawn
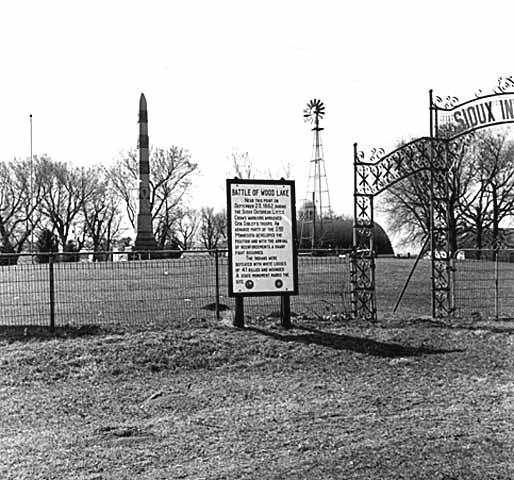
{"x": 143, "y": 294}
{"x": 328, "y": 400}
{"x": 139, "y": 294}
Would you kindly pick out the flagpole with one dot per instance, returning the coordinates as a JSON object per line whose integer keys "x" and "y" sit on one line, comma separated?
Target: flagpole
{"x": 31, "y": 190}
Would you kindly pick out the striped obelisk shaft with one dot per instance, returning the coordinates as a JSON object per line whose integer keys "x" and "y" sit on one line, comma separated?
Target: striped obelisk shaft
{"x": 144, "y": 234}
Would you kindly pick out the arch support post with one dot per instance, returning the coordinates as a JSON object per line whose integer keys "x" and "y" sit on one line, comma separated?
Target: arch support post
{"x": 439, "y": 233}
{"x": 373, "y": 176}
{"x": 362, "y": 274}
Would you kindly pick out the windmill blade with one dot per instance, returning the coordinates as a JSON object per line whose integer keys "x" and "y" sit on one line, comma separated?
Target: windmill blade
{"x": 314, "y": 110}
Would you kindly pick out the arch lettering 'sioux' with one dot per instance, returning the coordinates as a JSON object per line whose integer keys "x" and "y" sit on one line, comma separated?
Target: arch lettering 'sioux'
{"x": 451, "y": 124}
{"x": 453, "y": 119}
{"x": 481, "y": 112}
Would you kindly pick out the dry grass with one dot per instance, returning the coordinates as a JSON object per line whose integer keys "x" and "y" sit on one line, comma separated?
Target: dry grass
{"x": 324, "y": 400}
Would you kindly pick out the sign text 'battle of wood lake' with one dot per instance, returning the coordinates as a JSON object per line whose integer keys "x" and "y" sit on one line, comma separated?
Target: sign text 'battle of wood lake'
{"x": 262, "y": 238}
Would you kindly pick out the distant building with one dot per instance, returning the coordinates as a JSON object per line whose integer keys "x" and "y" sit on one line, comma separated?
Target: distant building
{"x": 338, "y": 234}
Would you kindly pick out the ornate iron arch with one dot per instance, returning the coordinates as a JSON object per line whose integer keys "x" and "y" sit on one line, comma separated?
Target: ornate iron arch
{"x": 452, "y": 124}
{"x": 376, "y": 174}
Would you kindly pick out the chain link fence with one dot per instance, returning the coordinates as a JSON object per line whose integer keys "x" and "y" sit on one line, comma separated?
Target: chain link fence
{"x": 120, "y": 288}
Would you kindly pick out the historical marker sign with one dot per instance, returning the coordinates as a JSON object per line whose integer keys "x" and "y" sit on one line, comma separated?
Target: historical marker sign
{"x": 262, "y": 237}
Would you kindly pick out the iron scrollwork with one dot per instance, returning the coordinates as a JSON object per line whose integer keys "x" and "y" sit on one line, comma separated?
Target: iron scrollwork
{"x": 445, "y": 103}
{"x": 381, "y": 171}
{"x": 376, "y": 174}
{"x": 438, "y": 155}
{"x": 504, "y": 85}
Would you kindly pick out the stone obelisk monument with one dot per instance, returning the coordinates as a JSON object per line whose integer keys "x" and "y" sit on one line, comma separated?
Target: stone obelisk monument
{"x": 144, "y": 233}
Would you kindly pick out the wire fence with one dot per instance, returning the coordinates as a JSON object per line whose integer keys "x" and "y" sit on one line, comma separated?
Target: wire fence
{"x": 483, "y": 283}
{"x": 391, "y": 276}
{"x": 120, "y": 288}
{"x": 125, "y": 289}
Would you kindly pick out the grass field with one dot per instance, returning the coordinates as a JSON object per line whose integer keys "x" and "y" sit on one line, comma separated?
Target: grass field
{"x": 474, "y": 288}
{"x": 137, "y": 294}
{"x": 177, "y": 397}
{"x": 141, "y": 294}
{"x": 326, "y": 400}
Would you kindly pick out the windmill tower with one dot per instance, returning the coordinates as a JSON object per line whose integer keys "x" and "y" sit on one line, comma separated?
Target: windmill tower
{"x": 316, "y": 212}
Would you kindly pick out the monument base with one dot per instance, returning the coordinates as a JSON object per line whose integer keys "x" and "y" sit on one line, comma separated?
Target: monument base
{"x": 144, "y": 247}
{"x": 145, "y": 242}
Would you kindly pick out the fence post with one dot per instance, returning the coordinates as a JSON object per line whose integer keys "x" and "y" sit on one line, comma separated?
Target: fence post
{"x": 217, "y": 304}
{"x": 52, "y": 290}
{"x": 453, "y": 274}
{"x": 496, "y": 284}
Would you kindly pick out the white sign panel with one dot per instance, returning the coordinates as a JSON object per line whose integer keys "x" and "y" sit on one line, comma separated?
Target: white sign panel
{"x": 262, "y": 229}
{"x": 478, "y": 113}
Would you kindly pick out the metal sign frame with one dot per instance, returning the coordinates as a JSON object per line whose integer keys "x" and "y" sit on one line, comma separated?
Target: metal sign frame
{"x": 290, "y": 223}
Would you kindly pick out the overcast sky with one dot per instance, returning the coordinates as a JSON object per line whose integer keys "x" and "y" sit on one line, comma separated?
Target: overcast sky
{"x": 224, "y": 75}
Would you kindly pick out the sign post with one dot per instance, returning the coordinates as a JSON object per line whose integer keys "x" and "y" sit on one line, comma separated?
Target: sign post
{"x": 263, "y": 261}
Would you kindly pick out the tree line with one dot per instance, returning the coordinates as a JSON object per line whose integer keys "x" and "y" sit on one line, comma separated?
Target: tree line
{"x": 75, "y": 207}
{"x": 92, "y": 208}
{"x": 480, "y": 193}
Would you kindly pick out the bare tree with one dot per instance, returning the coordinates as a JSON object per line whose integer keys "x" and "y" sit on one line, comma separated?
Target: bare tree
{"x": 480, "y": 194}
{"x": 407, "y": 202}
{"x": 497, "y": 178}
{"x": 461, "y": 180}
{"x": 101, "y": 213}
{"x": 186, "y": 226}
{"x": 171, "y": 171}
{"x": 21, "y": 190}
{"x": 213, "y": 228}
{"x": 407, "y": 207}
{"x": 243, "y": 167}
{"x": 475, "y": 208}
{"x": 284, "y": 171}
{"x": 68, "y": 187}
{"x": 124, "y": 177}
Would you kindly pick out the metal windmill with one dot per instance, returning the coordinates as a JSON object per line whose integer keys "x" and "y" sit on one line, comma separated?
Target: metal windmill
{"x": 316, "y": 211}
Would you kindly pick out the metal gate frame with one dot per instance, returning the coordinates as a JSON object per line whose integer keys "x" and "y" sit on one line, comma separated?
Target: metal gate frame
{"x": 435, "y": 153}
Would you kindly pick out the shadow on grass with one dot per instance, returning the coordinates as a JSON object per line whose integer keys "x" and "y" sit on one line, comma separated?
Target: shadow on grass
{"x": 17, "y": 333}
{"x": 487, "y": 328}
{"x": 491, "y": 329}
{"x": 493, "y": 326}
{"x": 351, "y": 343}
